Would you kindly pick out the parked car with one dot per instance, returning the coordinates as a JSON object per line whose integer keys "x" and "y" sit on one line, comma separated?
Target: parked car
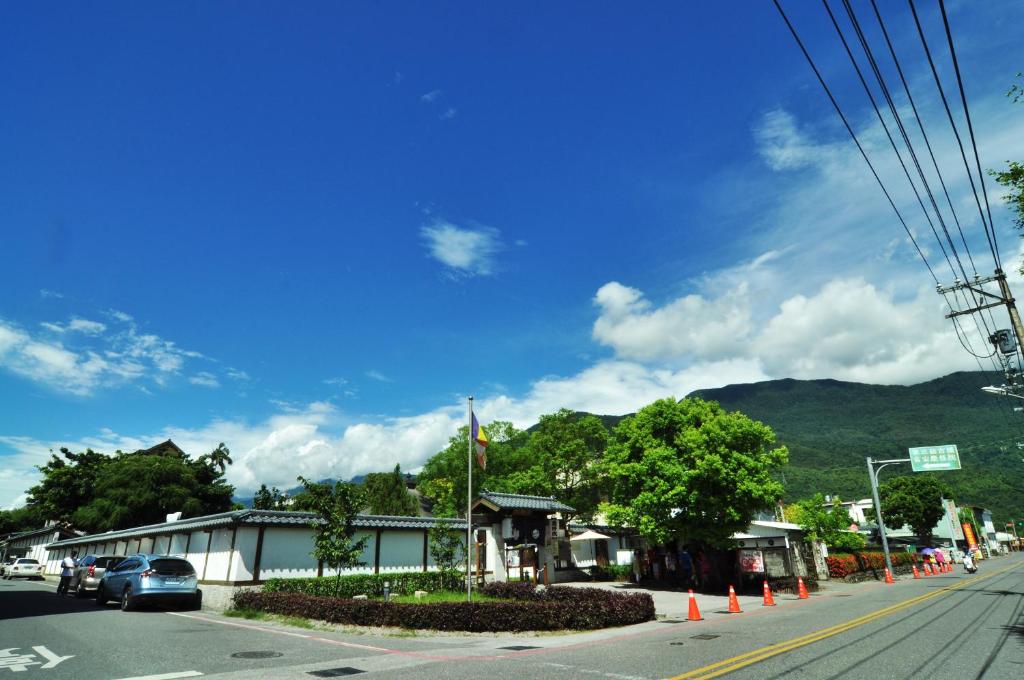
{"x": 7, "y": 565}
{"x": 88, "y": 572}
{"x": 24, "y": 567}
{"x": 140, "y": 579}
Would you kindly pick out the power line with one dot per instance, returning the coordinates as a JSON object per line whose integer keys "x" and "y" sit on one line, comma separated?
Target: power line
{"x": 970, "y": 129}
{"x": 853, "y": 135}
{"x": 956, "y": 132}
{"x": 910, "y": 148}
{"x": 873, "y": 63}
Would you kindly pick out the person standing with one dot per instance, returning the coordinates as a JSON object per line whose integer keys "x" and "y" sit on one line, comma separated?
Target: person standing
{"x": 67, "y": 568}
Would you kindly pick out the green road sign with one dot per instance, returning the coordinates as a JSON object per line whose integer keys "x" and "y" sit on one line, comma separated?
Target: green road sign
{"x": 935, "y": 458}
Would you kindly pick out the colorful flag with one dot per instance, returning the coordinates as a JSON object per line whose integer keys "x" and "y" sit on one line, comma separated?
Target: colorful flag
{"x": 480, "y": 441}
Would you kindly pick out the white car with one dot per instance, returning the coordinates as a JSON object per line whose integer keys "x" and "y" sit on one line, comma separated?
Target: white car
{"x": 24, "y": 567}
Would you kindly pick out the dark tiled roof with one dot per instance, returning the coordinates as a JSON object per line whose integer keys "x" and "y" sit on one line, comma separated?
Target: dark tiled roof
{"x": 257, "y": 518}
{"x": 511, "y": 501}
{"x": 36, "y": 532}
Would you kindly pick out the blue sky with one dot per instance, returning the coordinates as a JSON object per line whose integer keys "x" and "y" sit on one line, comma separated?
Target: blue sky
{"x": 310, "y": 230}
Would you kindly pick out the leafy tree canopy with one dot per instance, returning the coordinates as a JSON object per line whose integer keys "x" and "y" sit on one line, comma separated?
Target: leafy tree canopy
{"x": 387, "y": 494}
{"x": 95, "y": 492}
{"x": 915, "y": 500}
{"x": 506, "y": 454}
{"x": 269, "y": 499}
{"x": 827, "y": 524}
{"x": 563, "y": 454}
{"x": 19, "y": 519}
{"x": 689, "y": 468}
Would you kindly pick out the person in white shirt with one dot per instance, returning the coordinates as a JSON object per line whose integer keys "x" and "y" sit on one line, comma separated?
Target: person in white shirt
{"x": 67, "y": 569}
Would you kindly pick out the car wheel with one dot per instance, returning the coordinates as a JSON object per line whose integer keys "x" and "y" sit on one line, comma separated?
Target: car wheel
{"x": 127, "y": 601}
{"x": 101, "y": 596}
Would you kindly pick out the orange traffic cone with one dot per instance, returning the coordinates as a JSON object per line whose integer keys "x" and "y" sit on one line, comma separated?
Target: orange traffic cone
{"x": 926, "y": 569}
{"x": 888, "y": 576}
{"x": 917, "y": 574}
{"x": 734, "y": 604}
{"x": 694, "y": 613}
{"x": 801, "y": 589}
{"x": 769, "y": 601}
{"x": 947, "y": 567}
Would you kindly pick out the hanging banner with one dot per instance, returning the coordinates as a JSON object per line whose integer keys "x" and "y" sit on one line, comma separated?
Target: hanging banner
{"x": 958, "y": 531}
{"x": 972, "y": 541}
{"x": 751, "y": 561}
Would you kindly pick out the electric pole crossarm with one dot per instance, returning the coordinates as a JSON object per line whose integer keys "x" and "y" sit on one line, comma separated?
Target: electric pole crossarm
{"x": 975, "y": 309}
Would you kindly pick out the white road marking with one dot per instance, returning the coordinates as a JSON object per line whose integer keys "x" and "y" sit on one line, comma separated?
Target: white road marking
{"x": 166, "y": 676}
{"x": 51, "y": 658}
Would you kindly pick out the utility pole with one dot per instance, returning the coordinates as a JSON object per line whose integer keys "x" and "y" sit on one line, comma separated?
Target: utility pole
{"x": 1004, "y": 340}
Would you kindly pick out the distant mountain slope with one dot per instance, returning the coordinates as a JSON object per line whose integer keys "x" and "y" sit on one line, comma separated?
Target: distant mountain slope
{"x": 831, "y": 426}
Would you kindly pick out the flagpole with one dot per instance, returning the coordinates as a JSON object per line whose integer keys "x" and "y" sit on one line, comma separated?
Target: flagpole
{"x": 469, "y": 504}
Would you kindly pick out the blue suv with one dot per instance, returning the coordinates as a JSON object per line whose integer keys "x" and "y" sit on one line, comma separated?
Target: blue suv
{"x": 150, "y": 578}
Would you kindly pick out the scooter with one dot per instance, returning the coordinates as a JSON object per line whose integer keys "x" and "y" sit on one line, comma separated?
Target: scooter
{"x": 970, "y": 567}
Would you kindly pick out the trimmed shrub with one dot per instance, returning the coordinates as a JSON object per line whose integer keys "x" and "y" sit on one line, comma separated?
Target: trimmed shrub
{"x": 841, "y": 565}
{"x": 401, "y": 583}
{"x": 549, "y": 609}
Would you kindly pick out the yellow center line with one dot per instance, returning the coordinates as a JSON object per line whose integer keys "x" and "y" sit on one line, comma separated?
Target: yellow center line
{"x": 742, "y": 660}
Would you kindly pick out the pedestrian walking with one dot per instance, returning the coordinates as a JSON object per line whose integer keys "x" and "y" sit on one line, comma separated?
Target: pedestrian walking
{"x": 67, "y": 568}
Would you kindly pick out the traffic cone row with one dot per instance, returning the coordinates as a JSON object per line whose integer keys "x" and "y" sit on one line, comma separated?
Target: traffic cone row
{"x": 694, "y": 613}
{"x": 801, "y": 589}
{"x": 769, "y": 601}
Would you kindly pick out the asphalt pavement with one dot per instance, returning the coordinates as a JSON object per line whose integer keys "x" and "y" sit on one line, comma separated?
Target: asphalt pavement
{"x": 952, "y": 625}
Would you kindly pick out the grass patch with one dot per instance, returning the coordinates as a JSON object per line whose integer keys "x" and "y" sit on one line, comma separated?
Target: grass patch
{"x": 255, "y": 615}
{"x": 444, "y": 596}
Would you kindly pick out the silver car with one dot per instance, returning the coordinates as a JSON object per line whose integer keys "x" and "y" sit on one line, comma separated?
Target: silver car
{"x": 140, "y": 579}
{"x": 88, "y": 572}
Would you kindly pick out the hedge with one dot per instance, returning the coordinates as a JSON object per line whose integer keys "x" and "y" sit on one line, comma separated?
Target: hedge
{"x": 401, "y": 583}
{"x": 841, "y": 565}
{"x": 556, "y": 608}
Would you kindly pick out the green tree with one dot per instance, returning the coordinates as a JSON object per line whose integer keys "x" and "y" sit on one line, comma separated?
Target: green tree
{"x": 19, "y": 519}
{"x": 829, "y": 525}
{"x": 95, "y": 492}
{"x": 334, "y": 542}
{"x": 688, "y": 468}
{"x": 68, "y": 483}
{"x": 269, "y": 499}
{"x": 219, "y": 458}
{"x": 914, "y": 500}
{"x": 564, "y": 452}
{"x": 447, "y": 546}
{"x": 506, "y": 454}
{"x": 387, "y": 494}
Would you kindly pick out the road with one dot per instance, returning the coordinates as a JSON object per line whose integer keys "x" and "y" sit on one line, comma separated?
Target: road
{"x": 948, "y": 626}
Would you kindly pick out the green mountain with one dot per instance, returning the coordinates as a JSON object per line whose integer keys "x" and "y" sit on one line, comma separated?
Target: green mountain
{"x": 831, "y": 426}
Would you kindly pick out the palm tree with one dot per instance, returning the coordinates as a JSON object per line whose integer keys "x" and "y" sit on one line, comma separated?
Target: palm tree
{"x": 220, "y": 457}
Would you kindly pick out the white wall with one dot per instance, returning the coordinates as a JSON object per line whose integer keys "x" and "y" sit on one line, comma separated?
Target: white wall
{"x": 400, "y": 551}
{"x": 245, "y": 554}
{"x": 287, "y": 553}
{"x": 220, "y": 555}
{"x": 178, "y": 546}
{"x": 161, "y": 545}
{"x": 146, "y": 545}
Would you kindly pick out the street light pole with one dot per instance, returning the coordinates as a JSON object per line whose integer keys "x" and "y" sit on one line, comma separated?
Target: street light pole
{"x": 873, "y": 474}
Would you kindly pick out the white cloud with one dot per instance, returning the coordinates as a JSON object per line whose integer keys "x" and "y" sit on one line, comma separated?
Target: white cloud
{"x": 86, "y": 326}
{"x": 467, "y": 252}
{"x": 449, "y": 113}
{"x": 378, "y": 376}
{"x": 335, "y": 382}
{"x": 86, "y": 357}
{"x": 237, "y": 374}
{"x": 430, "y": 97}
{"x": 50, "y": 294}
{"x": 204, "y": 379}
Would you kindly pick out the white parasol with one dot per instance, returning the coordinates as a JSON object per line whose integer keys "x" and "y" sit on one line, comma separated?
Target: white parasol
{"x": 589, "y": 535}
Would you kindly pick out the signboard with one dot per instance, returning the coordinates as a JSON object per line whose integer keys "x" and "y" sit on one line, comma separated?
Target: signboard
{"x": 751, "y": 561}
{"x": 972, "y": 541}
{"x": 958, "y": 531}
{"x": 935, "y": 458}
